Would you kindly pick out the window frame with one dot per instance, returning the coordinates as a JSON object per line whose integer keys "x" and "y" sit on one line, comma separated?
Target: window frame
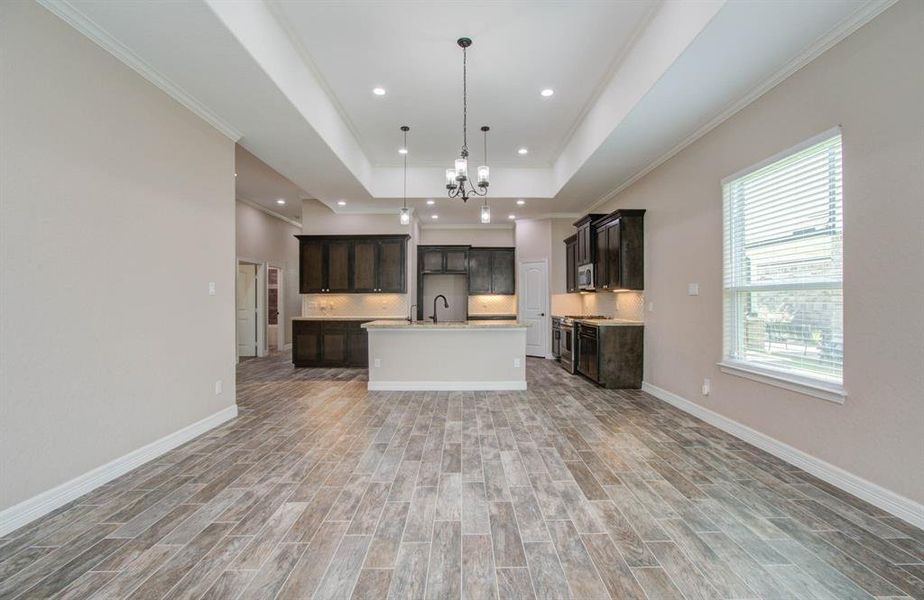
{"x": 817, "y": 386}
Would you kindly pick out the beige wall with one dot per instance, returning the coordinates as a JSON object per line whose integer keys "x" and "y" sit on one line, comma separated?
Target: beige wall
{"x": 872, "y": 84}
{"x": 265, "y": 238}
{"x": 117, "y": 211}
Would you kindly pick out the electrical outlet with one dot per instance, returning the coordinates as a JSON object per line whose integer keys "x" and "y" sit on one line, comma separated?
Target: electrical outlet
{"x": 516, "y": 363}
{"x": 218, "y": 387}
{"x": 211, "y": 288}
{"x": 692, "y": 289}
{"x": 707, "y": 386}
{"x": 377, "y": 362}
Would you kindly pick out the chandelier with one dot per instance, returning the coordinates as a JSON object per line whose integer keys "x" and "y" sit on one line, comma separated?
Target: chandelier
{"x": 458, "y": 183}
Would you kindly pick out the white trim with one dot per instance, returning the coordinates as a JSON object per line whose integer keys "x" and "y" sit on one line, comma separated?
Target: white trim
{"x": 889, "y": 501}
{"x": 473, "y": 225}
{"x": 824, "y": 136}
{"x": 448, "y": 386}
{"x": 287, "y": 347}
{"x": 27, "y": 511}
{"x": 832, "y": 392}
{"x": 269, "y": 211}
{"x": 82, "y": 23}
{"x": 861, "y": 17}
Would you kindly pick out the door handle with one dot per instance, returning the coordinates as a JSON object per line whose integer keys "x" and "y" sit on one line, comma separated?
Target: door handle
{"x": 541, "y": 314}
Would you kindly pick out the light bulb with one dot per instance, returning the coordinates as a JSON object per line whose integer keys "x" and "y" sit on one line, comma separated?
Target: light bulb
{"x": 405, "y": 216}
{"x": 485, "y": 214}
{"x": 483, "y": 171}
{"x": 461, "y": 169}
{"x": 450, "y": 178}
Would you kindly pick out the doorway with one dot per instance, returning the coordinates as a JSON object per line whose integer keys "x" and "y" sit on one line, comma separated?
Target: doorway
{"x": 246, "y": 299}
{"x": 533, "y": 309}
{"x": 275, "y": 311}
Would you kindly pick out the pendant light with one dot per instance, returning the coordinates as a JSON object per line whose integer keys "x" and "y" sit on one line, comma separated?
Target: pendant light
{"x": 405, "y": 216}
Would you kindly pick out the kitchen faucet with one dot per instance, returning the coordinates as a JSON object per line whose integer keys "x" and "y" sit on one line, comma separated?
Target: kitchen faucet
{"x": 445, "y": 305}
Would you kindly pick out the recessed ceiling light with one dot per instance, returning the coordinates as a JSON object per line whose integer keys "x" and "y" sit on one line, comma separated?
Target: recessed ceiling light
{"x": 341, "y": 203}
{"x": 434, "y": 217}
{"x": 521, "y": 202}
{"x": 522, "y": 151}
{"x": 547, "y": 92}
{"x": 280, "y": 201}
{"x": 378, "y": 91}
{"x": 431, "y": 202}
{"x": 511, "y": 216}
{"x": 402, "y": 150}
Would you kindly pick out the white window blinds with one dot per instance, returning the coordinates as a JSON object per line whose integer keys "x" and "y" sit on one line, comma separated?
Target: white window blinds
{"x": 783, "y": 256}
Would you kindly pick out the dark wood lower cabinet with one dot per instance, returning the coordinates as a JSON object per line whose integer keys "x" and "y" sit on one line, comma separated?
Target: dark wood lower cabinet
{"x": 611, "y": 355}
{"x": 329, "y": 343}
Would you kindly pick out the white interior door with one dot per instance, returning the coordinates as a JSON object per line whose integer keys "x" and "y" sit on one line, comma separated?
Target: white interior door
{"x": 534, "y": 305}
{"x": 246, "y": 310}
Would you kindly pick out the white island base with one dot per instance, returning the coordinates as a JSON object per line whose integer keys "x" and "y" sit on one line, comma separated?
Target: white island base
{"x": 468, "y": 355}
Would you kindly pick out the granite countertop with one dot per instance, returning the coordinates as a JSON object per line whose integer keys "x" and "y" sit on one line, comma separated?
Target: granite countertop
{"x": 404, "y": 324}
{"x": 340, "y": 318}
{"x": 612, "y": 322}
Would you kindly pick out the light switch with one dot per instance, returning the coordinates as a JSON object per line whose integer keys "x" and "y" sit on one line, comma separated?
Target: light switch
{"x": 211, "y": 288}
{"x": 377, "y": 362}
{"x": 692, "y": 289}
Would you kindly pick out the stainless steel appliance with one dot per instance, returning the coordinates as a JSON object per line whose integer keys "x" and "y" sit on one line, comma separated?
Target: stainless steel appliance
{"x": 585, "y": 277}
{"x": 568, "y": 342}
{"x": 556, "y": 337}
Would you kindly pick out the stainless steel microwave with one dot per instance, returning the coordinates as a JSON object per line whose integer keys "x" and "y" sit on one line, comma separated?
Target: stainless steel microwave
{"x": 585, "y": 277}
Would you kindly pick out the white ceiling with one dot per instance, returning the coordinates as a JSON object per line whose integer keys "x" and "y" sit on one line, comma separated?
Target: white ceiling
{"x": 257, "y": 183}
{"x": 634, "y": 80}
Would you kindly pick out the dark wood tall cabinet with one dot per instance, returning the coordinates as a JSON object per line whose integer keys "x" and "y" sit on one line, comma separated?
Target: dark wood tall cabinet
{"x": 585, "y": 239}
{"x": 352, "y": 264}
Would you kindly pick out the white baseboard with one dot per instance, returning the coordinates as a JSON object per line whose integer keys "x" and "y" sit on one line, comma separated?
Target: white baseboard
{"x": 27, "y": 511}
{"x": 889, "y": 501}
{"x": 451, "y": 386}
{"x": 287, "y": 347}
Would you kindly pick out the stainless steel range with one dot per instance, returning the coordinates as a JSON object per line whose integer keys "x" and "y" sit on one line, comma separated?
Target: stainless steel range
{"x": 569, "y": 349}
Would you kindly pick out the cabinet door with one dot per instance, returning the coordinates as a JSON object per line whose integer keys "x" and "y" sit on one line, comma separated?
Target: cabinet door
{"x": 306, "y": 340}
{"x": 632, "y": 244}
{"x": 570, "y": 268}
{"x": 359, "y": 346}
{"x": 338, "y": 265}
{"x": 311, "y": 267}
{"x": 479, "y": 272}
{"x": 334, "y": 344}
{"x": 503, "y": 280}
{"x": 432, "y": 260}
{"x": 456, "y": 261}
{"x": 601, "y": 277}
{"x": 614, "y": 257}
{"x": 364, "y": 265}
{"x": 392, "y": 266}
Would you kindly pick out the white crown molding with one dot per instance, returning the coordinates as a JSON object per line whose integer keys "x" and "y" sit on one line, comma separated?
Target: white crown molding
{"x": 82, "y": 23}
{"x": 562, "y": 215}
{"x": 859, "y": 18}
{"x": 889, "y": 501}
{"x": 467, "y": 226}
{"x": 270, "y": 212}
{"x": 27, "y": 511}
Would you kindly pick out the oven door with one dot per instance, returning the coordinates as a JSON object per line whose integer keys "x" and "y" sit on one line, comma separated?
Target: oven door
{"x": 586, "y": 277}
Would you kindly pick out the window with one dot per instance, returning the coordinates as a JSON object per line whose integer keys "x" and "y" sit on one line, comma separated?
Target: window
{"x": 783, "y": 257}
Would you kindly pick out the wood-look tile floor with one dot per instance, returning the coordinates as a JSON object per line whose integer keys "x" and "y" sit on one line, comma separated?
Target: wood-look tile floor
{"x": 322, "y": 490}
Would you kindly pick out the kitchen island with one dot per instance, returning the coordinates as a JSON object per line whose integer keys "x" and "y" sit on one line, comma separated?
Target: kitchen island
{"x": 452, "y": 355}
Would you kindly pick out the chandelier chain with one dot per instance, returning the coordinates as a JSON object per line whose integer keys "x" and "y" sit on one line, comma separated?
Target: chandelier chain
{"x": 464, "y": 101}
{"x": 405, "y": 168}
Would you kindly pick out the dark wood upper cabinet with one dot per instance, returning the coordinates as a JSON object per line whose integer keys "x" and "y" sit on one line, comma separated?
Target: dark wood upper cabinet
{"x": 311, "y": 266}
{"x": 391, "y": 265}
{"x": 352, "y": 264}
{"x": 586, "y": 239}
{"x": 364, "y": 265}
{"x": 620, "y": 263}
{"x": 571, "y": 264}
{"x": 491, "y": 271}
{"x": 479, "y": 271}
{"x": 338, "y": 266}
{"x": 443, "y": 259}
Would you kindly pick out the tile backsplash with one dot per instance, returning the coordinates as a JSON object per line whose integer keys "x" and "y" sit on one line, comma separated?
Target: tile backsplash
{"x": 492, "y": 305}
{"x": 621, "y": 305}
{"x": 354, "y": 305}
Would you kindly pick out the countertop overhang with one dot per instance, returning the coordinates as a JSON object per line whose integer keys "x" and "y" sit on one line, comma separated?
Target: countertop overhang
{"x": 444, "y": 325}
